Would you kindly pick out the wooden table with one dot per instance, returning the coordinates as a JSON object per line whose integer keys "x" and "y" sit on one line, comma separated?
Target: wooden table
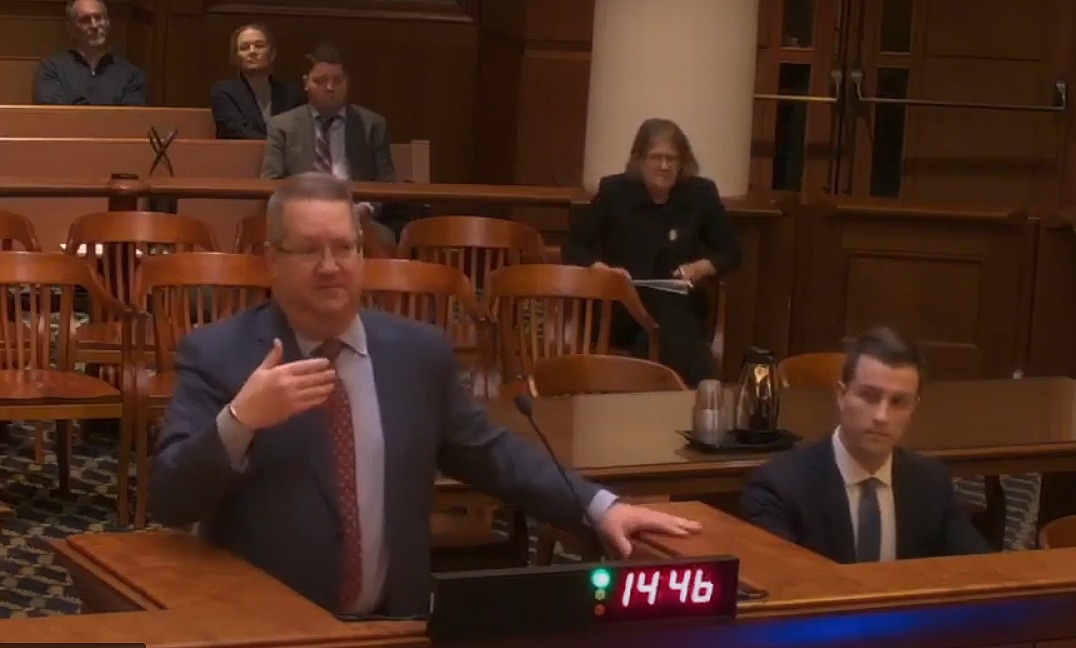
{"x": 978, "y": 427}
{"x": 1012, "y": 600}
{"x": 171, "y": 590}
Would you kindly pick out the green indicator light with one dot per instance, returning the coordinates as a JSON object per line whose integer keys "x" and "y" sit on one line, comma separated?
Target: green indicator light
{"x": 600, "y": 578}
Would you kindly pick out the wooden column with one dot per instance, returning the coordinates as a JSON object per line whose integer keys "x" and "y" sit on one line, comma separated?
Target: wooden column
{"x": 531, "y": 105}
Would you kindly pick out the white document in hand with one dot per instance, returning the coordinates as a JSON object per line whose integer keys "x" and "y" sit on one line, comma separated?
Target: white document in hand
{"x": 678, "y": 286}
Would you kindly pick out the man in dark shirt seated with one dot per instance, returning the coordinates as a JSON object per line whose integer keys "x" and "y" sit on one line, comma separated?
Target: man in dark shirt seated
{"x": 856, "y": 496}
{"x": 89, "y": 74}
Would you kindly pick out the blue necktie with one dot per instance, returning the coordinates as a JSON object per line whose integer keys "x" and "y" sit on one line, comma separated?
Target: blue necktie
{"x": 869, "y": 537}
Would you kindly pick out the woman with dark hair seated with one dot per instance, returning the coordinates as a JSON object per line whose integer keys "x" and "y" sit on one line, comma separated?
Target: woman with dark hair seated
{"x": 660, "y": 220}
{"x": 243, "y": 105}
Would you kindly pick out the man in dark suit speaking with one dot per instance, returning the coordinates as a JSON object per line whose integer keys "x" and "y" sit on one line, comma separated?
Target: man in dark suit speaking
{"x": 305, "y": 435}
{"x": 856, "y": 496}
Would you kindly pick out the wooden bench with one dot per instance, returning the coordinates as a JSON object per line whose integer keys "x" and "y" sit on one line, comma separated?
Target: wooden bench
{"x": 98, "y": 159}
{"x": 105, "y": 121}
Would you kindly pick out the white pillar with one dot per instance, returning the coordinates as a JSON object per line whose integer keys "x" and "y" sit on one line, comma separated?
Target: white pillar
{"x": 691, "y": 61}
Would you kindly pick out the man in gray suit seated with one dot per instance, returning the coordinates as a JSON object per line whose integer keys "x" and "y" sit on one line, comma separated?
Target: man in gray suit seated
{"x": 331, "y": 136}
{"x": 305, "y": 434}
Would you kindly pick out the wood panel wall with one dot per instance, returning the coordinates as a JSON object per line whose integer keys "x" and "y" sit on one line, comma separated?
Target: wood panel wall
{"x": 1001, "y": 53}
{"x": 499, "y": 87}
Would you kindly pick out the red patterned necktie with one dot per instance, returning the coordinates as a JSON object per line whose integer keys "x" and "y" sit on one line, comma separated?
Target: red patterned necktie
{"x": 342, "y": 437}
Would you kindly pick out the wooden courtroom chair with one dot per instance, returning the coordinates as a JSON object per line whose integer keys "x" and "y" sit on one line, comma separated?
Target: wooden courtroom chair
{"x": 593, "y": 374}
{"x": 183, "y": 291}
{"x": 717, "y": 319}
{"x": 38, "y": 379}
{"x": 1059, "y": 533}
{"x": 250, "y": 238}
{"x": 250, "y": 235}
{"x": 546, "y": 310}
{"x": 811, "y": 370}
{"x": 16, "y": 229}
{"x": 442, "y": 296}
{"x": 428, "y": 292}
{"x": 113, "y": 244}
{"x": 476, "y": 246}
{"x": 17, "y": 233}
{"x": 601, "y": 374}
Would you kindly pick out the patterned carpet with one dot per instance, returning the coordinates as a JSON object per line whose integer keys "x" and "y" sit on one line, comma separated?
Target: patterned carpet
{"x": 32, "y": 585}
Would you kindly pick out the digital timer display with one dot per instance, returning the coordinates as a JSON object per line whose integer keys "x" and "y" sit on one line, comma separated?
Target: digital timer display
{"x": 667, "y": 591}
{"x": 466, "y": 606}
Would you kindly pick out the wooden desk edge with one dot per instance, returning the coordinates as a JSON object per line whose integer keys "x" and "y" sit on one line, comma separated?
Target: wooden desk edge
{"x": 857, "y": 595}
{"x": 82, "y": 566}
{"x": 95, "y": 579}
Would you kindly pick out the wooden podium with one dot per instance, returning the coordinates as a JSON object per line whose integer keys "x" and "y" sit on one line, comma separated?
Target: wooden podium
{"x": 170, "y": 589}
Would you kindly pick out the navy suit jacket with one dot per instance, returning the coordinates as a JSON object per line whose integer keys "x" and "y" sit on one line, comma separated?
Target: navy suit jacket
{"x": 236, "y": 111}
{"x": 800, "y": 496}
{"x": 281, "y": 514}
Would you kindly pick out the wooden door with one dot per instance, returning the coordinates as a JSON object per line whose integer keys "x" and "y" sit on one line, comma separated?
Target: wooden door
{"x": 1001, "y": 59}
{"x": 798, "y": 95}
{"x": 855, "y": 99}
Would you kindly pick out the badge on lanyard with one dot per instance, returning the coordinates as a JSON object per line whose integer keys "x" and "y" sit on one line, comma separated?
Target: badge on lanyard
{"x": 673, "y": 234}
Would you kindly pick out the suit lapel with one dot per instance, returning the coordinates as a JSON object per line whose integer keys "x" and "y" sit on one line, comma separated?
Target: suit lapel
{"x": 311, "y": 426}
{"x": 278, "y": 92}
{"x": 304, "y": 126}
{"x": 355, "y": 142}
{"x": 904, "y": 499}
{"x": 250, "y": 103}
{"x": 835, "y": 505}
{"x": 393, "y": 409}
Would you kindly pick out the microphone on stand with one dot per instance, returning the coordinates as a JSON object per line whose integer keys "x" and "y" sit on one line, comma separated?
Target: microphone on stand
{"x": 525, "y": 404}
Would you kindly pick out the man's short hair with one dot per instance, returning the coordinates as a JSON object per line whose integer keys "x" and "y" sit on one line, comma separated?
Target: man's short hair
{"x": 304, "y": 186}
{"x": 886, "y": 345}
{"x": 70, "y": 9}
{"x": 324, "y": 53}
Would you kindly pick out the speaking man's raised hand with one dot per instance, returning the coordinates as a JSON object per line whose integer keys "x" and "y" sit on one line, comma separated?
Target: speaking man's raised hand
{"x": 277, "y": 390}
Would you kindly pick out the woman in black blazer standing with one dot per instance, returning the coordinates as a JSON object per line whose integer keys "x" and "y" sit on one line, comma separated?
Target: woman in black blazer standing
{"x": 243, "y": 105}
{"x": 660, "y": 220}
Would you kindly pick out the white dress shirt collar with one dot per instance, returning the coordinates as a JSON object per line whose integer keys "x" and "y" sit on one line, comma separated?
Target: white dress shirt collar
{"x": 851, "y": 471}
{"x": 354, "y": 337}
{"x": 342, "y": 113}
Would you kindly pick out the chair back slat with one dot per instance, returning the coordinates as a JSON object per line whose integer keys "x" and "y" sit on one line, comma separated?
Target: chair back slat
{"x": 37, "y": 298}
{"x": 189, "y": 289}
{"x": 113, "y": 243}
{"x": 474, "y": 245}
{"x": 546, "y": 310}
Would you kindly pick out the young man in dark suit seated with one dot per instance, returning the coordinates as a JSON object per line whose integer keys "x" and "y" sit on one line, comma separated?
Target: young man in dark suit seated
{"x": 857, "y": 496}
